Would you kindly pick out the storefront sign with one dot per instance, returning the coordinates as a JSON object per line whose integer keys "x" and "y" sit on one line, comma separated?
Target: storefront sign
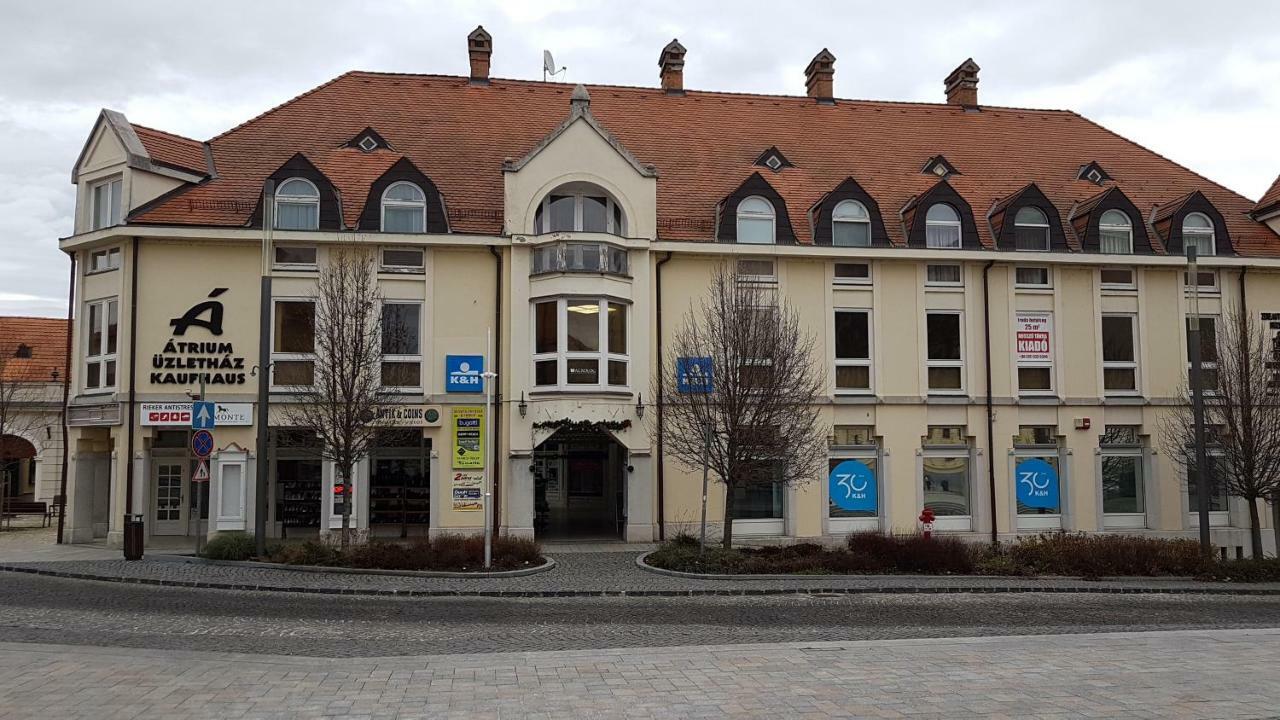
{"x": 468, "y": 438}
{"x": 1037, "y": 483}
{"x": 409, "y": 415}
{"x": 468, "y": 491}
{"x": 183, "y": 362}
{"x": 852, "y": 486}
{"x": 1034, "y": 337}
{"x": 694, "y": 375}
{"x": 464, "y": 373}
{"x": 179, "y": 413}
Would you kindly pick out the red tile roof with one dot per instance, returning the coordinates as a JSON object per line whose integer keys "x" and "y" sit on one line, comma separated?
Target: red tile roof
{"x": 703, "y": 144}
{"x": 1270, "y": 200}
{"x": 47, "y": 339}
{"x": 173, "y": 150}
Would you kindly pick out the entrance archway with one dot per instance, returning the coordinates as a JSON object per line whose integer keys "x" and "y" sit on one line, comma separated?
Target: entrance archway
{"x": 17, "y": 468}
{"x": 580, "y": 486}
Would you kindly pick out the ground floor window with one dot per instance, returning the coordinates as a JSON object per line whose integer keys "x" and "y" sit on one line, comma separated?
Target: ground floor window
{"x": 945, "y": 474}
{"x": 400, "y": 483}
{"x": 1217, "y": 490}
{"x": 1036, "y": 477}
{"x": 1123, "y": 489}
{"x": 758, "y": 501}
{"x": 298, "y": 480}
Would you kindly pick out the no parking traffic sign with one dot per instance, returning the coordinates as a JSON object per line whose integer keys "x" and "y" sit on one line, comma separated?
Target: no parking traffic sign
{"x": 202, "y": 443}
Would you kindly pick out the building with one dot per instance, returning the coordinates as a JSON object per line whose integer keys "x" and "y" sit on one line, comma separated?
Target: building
{"x": 931, "y": 246}
{"x": 33, "y": 360}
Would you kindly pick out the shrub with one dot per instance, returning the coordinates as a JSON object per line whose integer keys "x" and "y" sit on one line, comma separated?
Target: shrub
{"x": 230, "y": 546}
{"x": 456, "y": 553}
{"x": 1247, "y": 571}
{"x": 913, "y": 553}
{"x": 1107, "y": 555}
{"x": 311, "y": 552}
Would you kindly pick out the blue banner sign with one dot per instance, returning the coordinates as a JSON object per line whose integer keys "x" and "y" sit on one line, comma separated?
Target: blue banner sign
{"x": 1037, "y": 483}
{"x": 852, "y": 486}
{"x": 203, "y": 415}
{"x": 463, "y": 373}
{"x": 694, "y": 375}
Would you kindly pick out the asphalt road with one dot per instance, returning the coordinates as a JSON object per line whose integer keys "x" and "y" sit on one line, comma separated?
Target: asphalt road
{"x": 52, "y": 610}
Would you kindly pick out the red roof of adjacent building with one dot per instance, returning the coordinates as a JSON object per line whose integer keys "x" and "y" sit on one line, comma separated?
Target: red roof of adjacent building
{"x": 173, "y": 150}
{"x": 44, "y": 339}
{"x": 703, "y": 145}
{"x": 1270, "y": 200}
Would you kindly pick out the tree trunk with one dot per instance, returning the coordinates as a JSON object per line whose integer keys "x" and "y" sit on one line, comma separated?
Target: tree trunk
{"x": 727, "y": 532}
{"x": 346, "y": 508}
{"x": 1275, "y": 521}
{"x": 1255, "y": 528}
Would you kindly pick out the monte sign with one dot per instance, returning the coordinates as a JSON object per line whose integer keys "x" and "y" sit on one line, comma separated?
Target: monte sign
{"x": 160, "y": 414}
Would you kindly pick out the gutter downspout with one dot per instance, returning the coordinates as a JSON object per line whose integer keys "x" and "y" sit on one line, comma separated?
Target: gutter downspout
{"x": 66, "y": 396}
{"x": 991, "y": 416}
{"x": 662, "y": 384}
{"x": 261, "y": 448}
{"x": 133, "y": 376}
{"x": 497, "y": 391}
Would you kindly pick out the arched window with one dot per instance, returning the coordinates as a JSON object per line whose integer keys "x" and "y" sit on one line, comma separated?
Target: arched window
{"x": 942, "y": 227}
{"x": 1115, "y": 233}
{"x": 404, "y": 208}
{"x": 297, "y": 205}
{"x": 1197, "y": 232}
{"x": 1031, "y": 230}
{"x": 850, "y": 225}
{"x": 756, "y": 221}
{"x": 579, "y": 207}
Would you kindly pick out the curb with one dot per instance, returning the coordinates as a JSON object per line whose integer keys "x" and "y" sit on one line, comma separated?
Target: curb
{"x": 550, "y": 564}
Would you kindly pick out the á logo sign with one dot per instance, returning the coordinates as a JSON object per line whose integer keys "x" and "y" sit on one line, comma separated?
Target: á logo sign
{"x": 192, "y": 316}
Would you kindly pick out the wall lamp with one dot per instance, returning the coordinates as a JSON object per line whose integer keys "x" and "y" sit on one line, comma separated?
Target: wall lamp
{"x": 640, "y": 405}
{"x": 523, "y": 407}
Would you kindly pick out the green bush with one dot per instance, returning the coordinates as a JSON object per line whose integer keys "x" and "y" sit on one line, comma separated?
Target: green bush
{"x": 456, "y": 553}
{"x": 937, "y": 555}
{"x": 1246, "y": 571}
{"x": 1093, "y": 556}
{"x": 229, "y": 546}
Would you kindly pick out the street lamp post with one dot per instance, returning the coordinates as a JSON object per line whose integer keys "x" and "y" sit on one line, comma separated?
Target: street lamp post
{"x": 491, "y": 455}
{"x": 1203, "y": 479}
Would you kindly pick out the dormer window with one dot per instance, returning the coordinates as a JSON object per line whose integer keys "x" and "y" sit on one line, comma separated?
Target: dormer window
{"x": 1197, "y": 232}
{"x": 942, "y": 227}
{"x": 1093, "y": 172}
{"x": 404, "y": 208}
{"x": 1115, "y": 232}
{"x": 1031, "y": 229}
{"x": 773, "y": 159}
{"x": 23, "y": 352}
{"x": 756, "y": 221}
{"x": 850, "y": 225}
{"x": 939, "y": 167}
{"x": 368, "y": 144}
{"x": 579, "y": 207}
{"x": 367, "y": 141}
{"x": 297, "y": 205}
{"x": 107, "y": 204}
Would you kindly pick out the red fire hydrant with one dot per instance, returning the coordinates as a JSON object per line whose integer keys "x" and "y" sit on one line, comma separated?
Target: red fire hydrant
{"x": 926, "y": 522}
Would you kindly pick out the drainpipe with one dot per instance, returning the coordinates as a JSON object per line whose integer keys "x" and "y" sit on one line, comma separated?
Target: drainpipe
{"x": 261, "y": 447}
{"x": 991, "y": 414}
{"x": 662, "y": 386}
{"x": 66, "y": 395}
{"x": 497, "y": 391}
{"x": 133, "y": 375}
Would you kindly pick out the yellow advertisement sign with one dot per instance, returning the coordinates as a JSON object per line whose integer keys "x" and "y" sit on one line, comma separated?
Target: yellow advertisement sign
{"x": 468, "y": 438}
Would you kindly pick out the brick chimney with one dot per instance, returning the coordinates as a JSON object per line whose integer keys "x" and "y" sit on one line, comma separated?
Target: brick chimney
{"x": 962, "y": 85}
{"x": 819, "y": 76}
{"x": 479, "y": 50}
{"x": 672, "y": 63}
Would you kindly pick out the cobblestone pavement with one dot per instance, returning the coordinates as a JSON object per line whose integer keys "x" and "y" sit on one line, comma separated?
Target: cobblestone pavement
{"x": 54, "y": 610}
{"x": 1198, "y": 674}
{"x": 587, "y": 573}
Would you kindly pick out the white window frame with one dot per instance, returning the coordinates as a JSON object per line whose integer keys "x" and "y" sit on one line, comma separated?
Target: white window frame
{"x": 1129, "y": 286}
{"x": 1123, "y": 521}
{"x": 1126, "y": 228}
{"x": 1030, "y": 451}
{"x": 837, "y": 525}
{"x": 405, "y": 358}
{"x": 770, "y": 279}
{"x": 857, "y": 219}
{"x": 837, "y": 280}
{"x": 1039, "y": 226}
{"x": 1121, "y": 364}
{"x": 944, "y": 283}
{"x": 110, "y": 257}
{"x": 311, "y": 266}
{"x": 1048, "y": 277}
{"x": 855, "y": 362}
{"x": 115, "y": 200}
{"x": 1039, "y": 364}
{"x": 1211, "y": 289}
{"x": 951, "y": 523}
{"x": 756, "y": 216}
{"x": 296, "y": 200}
{"x": 104, "y": 358}
{"x": 542, "y": 213}
{"x": 420, "y": 205}
{"x": 1205, "y": 365}
{"x": 289, "y": 356}
{"x": 386, "y": 267}
{"x": 225, "y": 462}
{"x": 1217, "y": 518}
{"x": 1201, "y": 234}
{"x": 957, "y": 224}
{"x": 562, "y": 355}
{"x": 932, "y": 363}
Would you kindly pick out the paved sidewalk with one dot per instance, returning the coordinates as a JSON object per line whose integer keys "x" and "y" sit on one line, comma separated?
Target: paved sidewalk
{"x": 1197, "y": 674}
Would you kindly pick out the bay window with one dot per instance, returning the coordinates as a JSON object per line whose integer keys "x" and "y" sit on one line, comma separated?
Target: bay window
{"x": 102, "y": 319}
{"x": 293, "y": 343}
{"x": 401, "y": 345}
{"x": 580, "y": 344}
{"x": 853, "y": 351}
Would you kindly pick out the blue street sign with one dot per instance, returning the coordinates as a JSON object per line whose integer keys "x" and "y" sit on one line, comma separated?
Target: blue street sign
{"x": 852, "y": 486}
{"x": 694, "y": 375}
{"x": 202, "y": 443}
{"x": 1037, "y": 483}
{"x": 204, "y": 415}
{"x": 462, "y": 373}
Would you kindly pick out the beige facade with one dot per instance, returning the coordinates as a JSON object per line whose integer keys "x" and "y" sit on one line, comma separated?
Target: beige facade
{"x": 472, "y": 288}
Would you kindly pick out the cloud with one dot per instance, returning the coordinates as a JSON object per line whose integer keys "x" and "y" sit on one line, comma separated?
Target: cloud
{"x": 1192, "y": 82}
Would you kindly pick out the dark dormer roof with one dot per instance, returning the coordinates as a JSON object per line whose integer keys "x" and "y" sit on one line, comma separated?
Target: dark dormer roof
{"x": 403, "y": 171}
{"x": 821, "y": 213}
{"x": 1093, "y": 172}
{"x": 917, "y": 208}
{"x": 1004, "y": 212}
{"x": 368, "y": 140}
{"x": 727, "y": 231}
{"x": 773, "y": 159}
{"x": 1087, "y": 214}
{"x": 938, "y": 166}
{"x": 300, "y": 167}
{"x": 1167, "y": 221}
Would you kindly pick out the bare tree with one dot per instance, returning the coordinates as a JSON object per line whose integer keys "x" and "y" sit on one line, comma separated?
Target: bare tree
{"x": 759, "y": 427}
{"x": 23, "y": 402}
{"x": 342, "y": 406}
{"x": 1241, "y": 416}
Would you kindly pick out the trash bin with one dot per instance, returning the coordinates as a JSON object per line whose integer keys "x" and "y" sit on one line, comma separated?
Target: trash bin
{"x": 133, "y": 537}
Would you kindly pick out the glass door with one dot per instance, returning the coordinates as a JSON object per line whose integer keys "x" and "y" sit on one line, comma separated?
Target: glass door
{"x": 170, "y": 488}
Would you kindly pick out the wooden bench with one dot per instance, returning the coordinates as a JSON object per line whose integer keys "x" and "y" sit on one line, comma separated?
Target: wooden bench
{"x": 14, "y": 508}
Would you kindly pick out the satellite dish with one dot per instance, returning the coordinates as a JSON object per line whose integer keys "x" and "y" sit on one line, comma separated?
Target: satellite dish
{"x": 548, "y": 64}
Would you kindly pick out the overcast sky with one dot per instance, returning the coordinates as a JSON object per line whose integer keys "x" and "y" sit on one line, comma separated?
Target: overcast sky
{"x": 1196, "y": 82}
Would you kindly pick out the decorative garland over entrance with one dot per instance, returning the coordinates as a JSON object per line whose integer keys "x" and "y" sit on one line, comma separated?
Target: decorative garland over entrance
{"x": 582, "y": 425}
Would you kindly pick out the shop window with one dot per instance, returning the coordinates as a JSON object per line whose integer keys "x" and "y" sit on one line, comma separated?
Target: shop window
{"x": 945, "y": 475}
{"x": 853, "y": 351}
{"x": 401, "y": 345}
{"x": 1036, "y": 477}
{"x": 293, "y": 343}
{"x": 1218, "y": 496}
{"x": 1123, "y": 489}
{"x": 580, "y": 344}
{"x": 298, "y": 480}
{"x": 102, "y": 318}
{"x": 944, "y": 357}
{"x": 1119, "y": 354}
{"x": 854, "y": 497}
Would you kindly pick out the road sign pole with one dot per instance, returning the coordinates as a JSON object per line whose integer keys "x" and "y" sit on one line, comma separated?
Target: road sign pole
{"x": 196, "y": 487}
{"x": 490, "y": 457}
{"x": 706, "y": 463}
